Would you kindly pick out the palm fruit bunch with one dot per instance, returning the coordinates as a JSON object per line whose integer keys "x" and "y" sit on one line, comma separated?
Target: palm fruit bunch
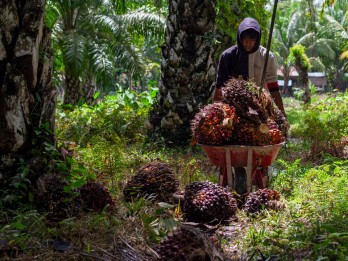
{"x": 155, "y": 179}
{"x": 262, "y": 199}
{"x": 261, "y": 120}
{"x": 95, "y": 196}
{"x": 214, "y": 124}
{"x": 188, "y": 243}
{"x": 253, "y": 118}
{"x": 275, "y": 134}
{"x": 53, "y": 199}
{"x": 245, "y": 97}
{"x": 207, "y": 202}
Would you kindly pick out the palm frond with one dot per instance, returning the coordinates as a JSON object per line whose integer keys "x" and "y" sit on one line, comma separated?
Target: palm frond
{"x": 307, "y": 39}
{"x": 106, "y": 25}
{"x": 100, "y": 62}
{"x": 323, "y": 48}
{"x": 284, "y": 51}
{"x": 317, "y": 64}
{"x": 51, "y": 14}
{"x": 334, "y": 26}
{"x": 73, "y": 48}
{"x": 293, "y": 25}
{"x": 128, "y": 56}
{"x": 144, "y": 23}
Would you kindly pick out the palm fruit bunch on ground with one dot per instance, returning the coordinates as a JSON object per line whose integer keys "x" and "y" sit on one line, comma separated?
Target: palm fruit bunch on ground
{"x": 52, "y": 198}
{"x": 252, "y": 118}
{"x": 263, "y": 199}
{"x": 155, "y": 179}
{"x": 96, "y": 197}
{"x": 188, "y": 243}
{"x": 214, "y": 124}
{"x": 206, "y": 202}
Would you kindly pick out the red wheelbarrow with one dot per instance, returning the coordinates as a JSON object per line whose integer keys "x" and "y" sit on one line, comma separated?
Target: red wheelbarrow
{"x": 250, "y": 157}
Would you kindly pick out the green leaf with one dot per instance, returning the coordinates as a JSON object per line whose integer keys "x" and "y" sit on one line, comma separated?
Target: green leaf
{"x": 18, "y": 225}
{"x": 159, "y": 211}
{"x": 77, "y": 184}
{"x": 96, "y": 95}
{"x": 69, "y": 159}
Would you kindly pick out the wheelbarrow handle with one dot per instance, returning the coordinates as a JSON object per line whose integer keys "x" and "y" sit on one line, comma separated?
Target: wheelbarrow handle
{"x": 269, "y": 44}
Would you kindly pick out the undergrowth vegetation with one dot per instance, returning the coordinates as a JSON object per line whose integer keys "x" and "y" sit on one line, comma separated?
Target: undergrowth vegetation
{"x": 107, "y": 142}
{"x": 314, "y": 224}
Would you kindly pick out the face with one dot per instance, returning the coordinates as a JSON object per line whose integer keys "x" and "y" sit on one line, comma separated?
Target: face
{"x": 248, "y": 43}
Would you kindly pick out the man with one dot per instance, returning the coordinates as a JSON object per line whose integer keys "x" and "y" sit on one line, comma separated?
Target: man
{"x": 247, "y": 60}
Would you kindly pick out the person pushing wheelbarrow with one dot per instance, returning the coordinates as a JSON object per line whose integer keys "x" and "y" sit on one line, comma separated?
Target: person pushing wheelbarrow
{"x": 250, "y": 61}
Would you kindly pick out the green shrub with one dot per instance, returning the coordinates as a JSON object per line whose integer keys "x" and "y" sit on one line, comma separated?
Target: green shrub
{"x": 324, "y": 125}
{"x": 102, "y": 133}
{"x": 122, "y": 115}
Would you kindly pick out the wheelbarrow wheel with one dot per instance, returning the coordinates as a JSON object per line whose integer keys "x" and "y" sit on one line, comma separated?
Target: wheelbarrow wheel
{"x": 241, "y": 180}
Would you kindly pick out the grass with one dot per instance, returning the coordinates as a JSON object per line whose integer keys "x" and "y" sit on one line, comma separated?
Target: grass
{"x": 313, "y": 225}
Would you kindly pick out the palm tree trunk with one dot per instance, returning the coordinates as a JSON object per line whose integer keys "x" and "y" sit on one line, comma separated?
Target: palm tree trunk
{"x": 188, "y": 68}
{"x": 286, "y": 73}
{"x": 77, "y": 91}
{"x": 73, "y": 91}
{"x": 89, "y": 89}
{"x": 27, "y": 100}
{"x": 304, "y": 83}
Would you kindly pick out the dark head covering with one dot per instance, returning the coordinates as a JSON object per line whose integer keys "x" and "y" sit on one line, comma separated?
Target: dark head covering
{"x": 246, "y": 24}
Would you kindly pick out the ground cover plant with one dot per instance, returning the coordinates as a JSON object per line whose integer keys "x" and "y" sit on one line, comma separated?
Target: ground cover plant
{"x": 107, "y": 143}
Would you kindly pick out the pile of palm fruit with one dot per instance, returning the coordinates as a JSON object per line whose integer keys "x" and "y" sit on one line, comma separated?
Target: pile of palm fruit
{"x": 53, "y": 198}
{"x": 60, "y": 204}
{"x": 188, "y": 243}
{"x": 95, "y": 196}
{"x": 245, "y": 116}
{"x": 207, "y": 202}
{"x": 155, "y": 179}
{"x": 263, "y": 199}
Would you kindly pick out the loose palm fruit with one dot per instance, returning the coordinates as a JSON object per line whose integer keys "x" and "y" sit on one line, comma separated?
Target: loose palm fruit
{"x": 208, "y": 202}
{"x": 188, "y": 243}
{"x": 262, "y": 199}
{"x": 95, "y": 196}
{"x": 155, "y": 179}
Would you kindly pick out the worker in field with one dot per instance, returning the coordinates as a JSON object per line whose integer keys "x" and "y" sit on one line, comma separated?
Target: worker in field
{"x": 247, "y": 60}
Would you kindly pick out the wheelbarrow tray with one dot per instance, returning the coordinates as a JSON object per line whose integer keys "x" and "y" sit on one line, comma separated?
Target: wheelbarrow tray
{"x": 251, "y": 157}
{"x": 265, "y": 155}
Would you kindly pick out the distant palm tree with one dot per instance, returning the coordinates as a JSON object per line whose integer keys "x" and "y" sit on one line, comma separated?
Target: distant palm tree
{"x": 289, "y": 29}
{"x": 324, "y": 37}
{"x": 334, "y": 27}
{"x": 93, "y": 41}
{"x": 302, "y": 64}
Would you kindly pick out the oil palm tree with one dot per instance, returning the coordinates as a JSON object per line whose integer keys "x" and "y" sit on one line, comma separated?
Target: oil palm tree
{"x": 334, "y": 22}
{"x": 187, "y": 69}
{"x": 324, "y": 37}
{"x": 302, "y": 64}
{"x": 289, "y": 30}
{"x": 93, "y": 41}
{"x": 26, "y": 97}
